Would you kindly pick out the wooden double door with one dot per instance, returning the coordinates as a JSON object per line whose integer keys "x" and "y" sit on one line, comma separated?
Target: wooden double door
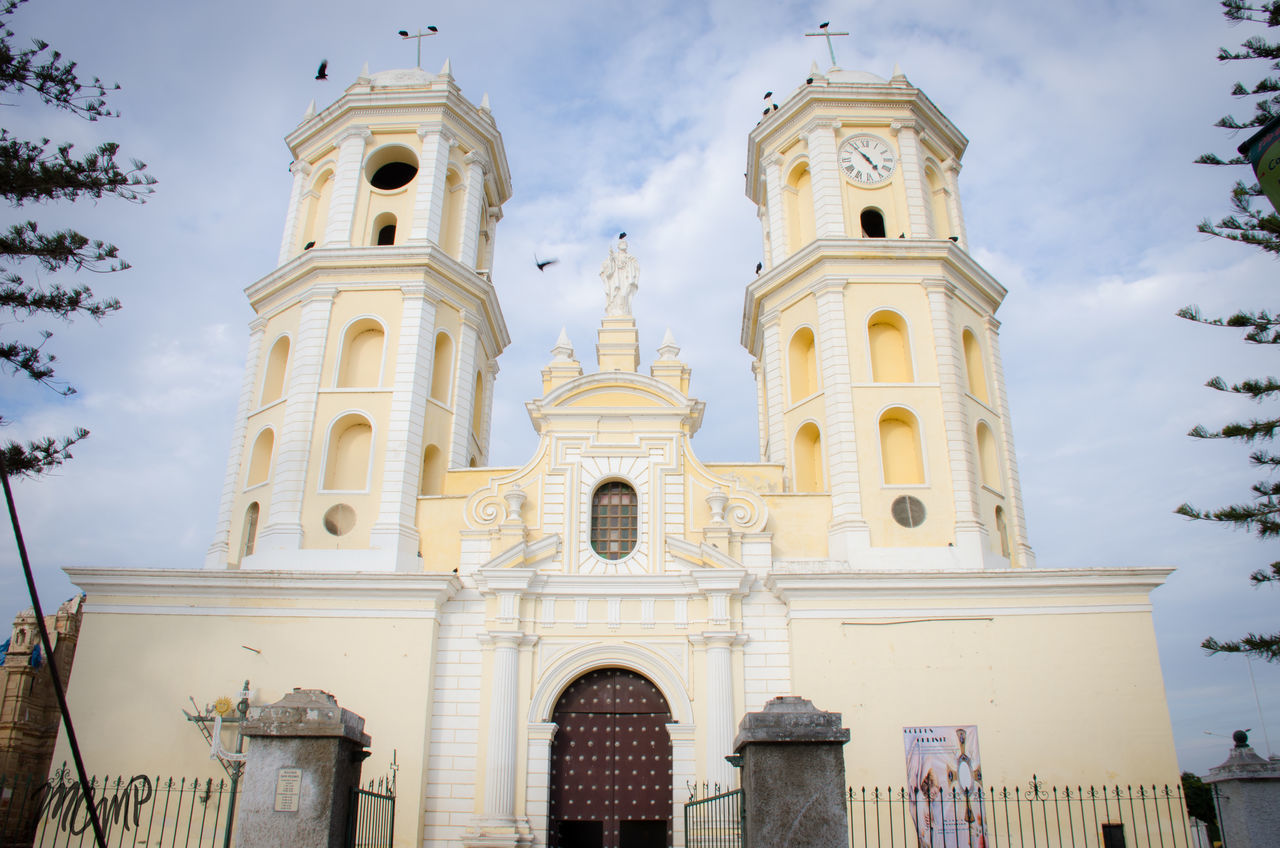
{"x": 611, "y": 764}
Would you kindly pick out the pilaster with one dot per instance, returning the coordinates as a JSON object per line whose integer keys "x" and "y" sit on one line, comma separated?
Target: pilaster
{"x": 464, "y": 389}
{"x": 762, "y": 406}
{"x": 395, "y": 528}
{"x": 342, "y": 205}
{"x": 775, "y": 437}
{"x": 486, "y": 411}
{"x": 970, "y": 534}
{"x": 912, "y": 178}
{"x": 283, "y": 530}
{"x": 1021, "y": 548}
{"x": 474, "y": 206}
{"x": 952, "y": 171}
{"x": 498, "y": 824}
{"x": 428, "y": 203}
{"x": 828, "y": 210}
{"x": 848, "y": 531}
{"x": 301, "y": 172}
{"x": 777, "y": 216}
{"x": 220, "y": 551}
{"x": 718, "y": 647}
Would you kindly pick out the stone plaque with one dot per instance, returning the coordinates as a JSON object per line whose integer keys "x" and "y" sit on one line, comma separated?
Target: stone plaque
{"x": 288, "y": 790}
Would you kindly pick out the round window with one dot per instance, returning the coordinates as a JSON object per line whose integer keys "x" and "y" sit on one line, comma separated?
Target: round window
{"x": 339, "y": 519}
{"x": 391, "y": 167}
{"x": 908, "y": 511}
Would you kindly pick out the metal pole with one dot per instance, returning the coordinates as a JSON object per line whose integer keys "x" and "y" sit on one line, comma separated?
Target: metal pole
{"x": 53, "y": 666}
{"x": 1265, "y": 736}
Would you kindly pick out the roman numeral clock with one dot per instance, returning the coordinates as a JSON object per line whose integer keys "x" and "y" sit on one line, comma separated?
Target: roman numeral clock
{"x": 867, "y": 159}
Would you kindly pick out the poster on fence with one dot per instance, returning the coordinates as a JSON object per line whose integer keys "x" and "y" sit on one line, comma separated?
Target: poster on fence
{"x": 944, "y": 785}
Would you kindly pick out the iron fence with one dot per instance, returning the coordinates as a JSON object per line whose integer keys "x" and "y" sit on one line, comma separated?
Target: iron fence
{"x": 371, "y": 816}
{"x": 1033, "y": 816}
{"x": 717, "y": 821}
{"x": 140, "y": 811}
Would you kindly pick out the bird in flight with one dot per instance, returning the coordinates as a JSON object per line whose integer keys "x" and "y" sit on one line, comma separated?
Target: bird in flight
{"x": 543, "y": 263}
{"x": 324, "y": 66}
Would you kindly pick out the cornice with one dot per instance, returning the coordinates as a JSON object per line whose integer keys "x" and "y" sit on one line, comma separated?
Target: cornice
{"x": 229, "y": 585}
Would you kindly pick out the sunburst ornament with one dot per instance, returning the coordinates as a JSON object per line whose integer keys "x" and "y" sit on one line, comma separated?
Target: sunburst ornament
{"x": 222, "y": 706}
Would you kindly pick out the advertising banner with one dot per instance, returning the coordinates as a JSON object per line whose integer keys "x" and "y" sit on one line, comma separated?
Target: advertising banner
{"x": 944, "y": 785}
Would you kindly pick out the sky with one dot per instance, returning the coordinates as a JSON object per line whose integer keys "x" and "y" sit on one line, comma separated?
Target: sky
{"x": 1078, "y": 189}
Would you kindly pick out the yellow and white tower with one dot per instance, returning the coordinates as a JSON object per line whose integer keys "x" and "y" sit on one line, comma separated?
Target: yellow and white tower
{"x": 873, "y": 330}
{"x": 372, "y": 354}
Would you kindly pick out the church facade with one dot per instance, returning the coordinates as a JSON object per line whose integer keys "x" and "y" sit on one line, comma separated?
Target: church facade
{"x": 615, "y": 594}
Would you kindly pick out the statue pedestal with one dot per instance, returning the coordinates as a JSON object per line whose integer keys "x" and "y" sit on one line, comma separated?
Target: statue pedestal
{"x": 618, "y": 344}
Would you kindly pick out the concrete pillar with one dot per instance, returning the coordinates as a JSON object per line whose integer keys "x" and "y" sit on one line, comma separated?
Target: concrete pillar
{"x": 1248, "y": 797}
{"x": 828, "y": 206}
{"x": 775, "y": 438}
{"x": 473, "y": 208}
{"x": 301, "y": 172}
{"x": 342, "y": 204}
{"x": 793, "y": 776}
{"x": 720, "y": 688}
{"x": 464, "y": 389}
{"x": 303, "y": 762}
{"x": 1020, "y": 548}
{"x": 912, "y": 178}
{"x": 433, "y": 170}
{"x": 777, "y": 216}
{"x": 952, "y": 169}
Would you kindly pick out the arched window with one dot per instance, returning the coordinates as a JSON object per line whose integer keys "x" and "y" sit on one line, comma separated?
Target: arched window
{"x": 260, "y": 458}
{"x": 872, "y": 222}
{"x": 615, "y": 520}
{"x": 432, "y": 482}
{"x": 974, "y": 370}
{"x": 277, "y": 367}
{"x": 803, "y": 363}
{"x": 317, "y": 206}
{"x": 900, "y": 453}
{"x": 384, "y": 229}
{"x": 442, "y": 368}
{"x": 1002, "y": 532}
{"x": 808, "y": 458}
{"x": 454, "y": 211}
{"x": 346, "y": 465}
{"x": 988, "y": 458}
{"x": 477, "y": 405}
{"x": 361, "y": 364}
{"x": 250, "y": 535}
{"x": 799, "y": 208}
{"x": 890, "y": 351}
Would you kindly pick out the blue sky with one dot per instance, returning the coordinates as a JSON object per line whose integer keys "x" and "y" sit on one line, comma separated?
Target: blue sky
{"x": 1078, "y": 187}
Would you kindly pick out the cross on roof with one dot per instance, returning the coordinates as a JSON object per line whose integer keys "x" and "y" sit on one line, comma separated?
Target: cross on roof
{"x": 422, "y": 33}
{"x": 827, "y": 34}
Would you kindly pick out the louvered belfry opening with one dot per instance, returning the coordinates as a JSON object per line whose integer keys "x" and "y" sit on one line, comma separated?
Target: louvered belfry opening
{"x": 611, "y": 764}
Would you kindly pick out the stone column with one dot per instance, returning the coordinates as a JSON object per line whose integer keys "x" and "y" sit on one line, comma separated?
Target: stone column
{"x": 486, "y": 421}
{"x": 472, "y": 210}
{"x": 848, "y": 531}
{"x": 433, "y": 170}
{"x": 777, "y": 209}
{"x": 828, "y": 208}
{"x": 220, "y": 550}
{"x": 498, "y": 824}
{"x": 793, "y": 776}
{"x": 342, "y": 204}
{"x": 396, "y": 526}
{"x": 301, "y": 172}
{"x": 719, "y": 738}
{"x": 1248, "y": 797}
{"x": 283, "y": 530}
{"x": 302, "y": 764}
{"x": 912, "y": 178}
{"x": 970, "y": 535}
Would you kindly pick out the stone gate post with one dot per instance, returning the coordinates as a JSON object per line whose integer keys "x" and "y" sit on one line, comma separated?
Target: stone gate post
{"x": 793, "y": 776}
{"x": 303, "y": 761}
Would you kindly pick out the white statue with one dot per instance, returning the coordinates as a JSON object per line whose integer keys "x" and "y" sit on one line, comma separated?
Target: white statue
{"x": 620, "y": 273}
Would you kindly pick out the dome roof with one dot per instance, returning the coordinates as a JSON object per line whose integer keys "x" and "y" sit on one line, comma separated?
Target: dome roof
{"x": 866, "y": 77}
{"x": 401, "y": 78}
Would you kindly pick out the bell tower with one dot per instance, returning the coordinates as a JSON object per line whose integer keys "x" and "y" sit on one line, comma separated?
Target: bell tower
{"x": 873, "y": 330}
{"x": 373, "y": 350}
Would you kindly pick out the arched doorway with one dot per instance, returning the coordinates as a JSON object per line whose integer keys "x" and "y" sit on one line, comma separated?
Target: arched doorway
{"x": 611, "y": 764}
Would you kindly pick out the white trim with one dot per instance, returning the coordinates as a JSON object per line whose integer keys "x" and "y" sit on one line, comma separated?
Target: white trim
{"x": 914, "y": 615}
{"x": 324, "y": 455}
{"x": 342, "y": 350}
{"x": 254, "y": 612}
{"x": 413, "y": 590}
{"x": 630, "y": 655}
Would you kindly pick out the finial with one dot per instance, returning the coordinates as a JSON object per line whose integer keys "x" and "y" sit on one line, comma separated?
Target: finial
{"x": 364, "y": 69}
{"x": 668, "y": 349}
{"x": 897, "y": 72}
{"x": 447, "y": 69}
{"x": 311, "y": 110}
{"x": 563, "y": 349}
{"x": 484, "y": 103}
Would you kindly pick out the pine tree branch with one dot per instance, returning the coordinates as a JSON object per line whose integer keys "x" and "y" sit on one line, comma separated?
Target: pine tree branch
{"x": 35, "y": 458}
{"x": 29, "y": 172}
{"x": 1263, "y": 646}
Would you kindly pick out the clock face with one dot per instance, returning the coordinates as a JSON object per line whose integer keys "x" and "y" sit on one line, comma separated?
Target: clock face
{"x": 867, "y": 159}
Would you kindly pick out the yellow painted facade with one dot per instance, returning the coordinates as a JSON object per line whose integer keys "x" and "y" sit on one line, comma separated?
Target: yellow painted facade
{"x": 873, "y": 558}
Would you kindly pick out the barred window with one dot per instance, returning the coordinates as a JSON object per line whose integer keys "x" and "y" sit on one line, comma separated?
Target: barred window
{"x": 614, "y": 518}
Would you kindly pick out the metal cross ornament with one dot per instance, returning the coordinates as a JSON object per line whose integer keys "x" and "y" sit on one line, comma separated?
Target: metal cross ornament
{"x": 827, "y": 34}
{"x": 422, "y": 33}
